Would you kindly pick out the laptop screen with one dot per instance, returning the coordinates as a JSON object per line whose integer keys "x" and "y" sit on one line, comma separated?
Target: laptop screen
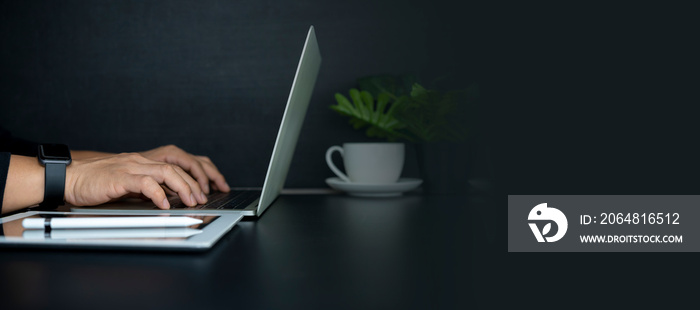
{"x": 292, "y": 120}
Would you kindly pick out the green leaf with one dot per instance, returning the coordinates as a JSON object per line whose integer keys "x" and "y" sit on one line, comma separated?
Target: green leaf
{"x": 417, "y": 91}
{"x": 341, "y": 110}
{"x": 344, "y": 104}
{"x": 357, "y": 123}
{"x": 368, "y": 101}
{"x": 389, "y": 114}
{"x": 359, "y": 105}
{"x": 382, "y": 101}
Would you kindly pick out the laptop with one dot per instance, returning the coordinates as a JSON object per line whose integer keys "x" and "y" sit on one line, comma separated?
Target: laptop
{"x": 250, "y": 202}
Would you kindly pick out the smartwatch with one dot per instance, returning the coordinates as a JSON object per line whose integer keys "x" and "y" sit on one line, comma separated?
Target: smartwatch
{"x": 55, "y": 157}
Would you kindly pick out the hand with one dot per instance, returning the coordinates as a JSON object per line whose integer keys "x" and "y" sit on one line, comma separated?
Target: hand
{"x": 99, "y": 180}
{"x": 200, "y": 167}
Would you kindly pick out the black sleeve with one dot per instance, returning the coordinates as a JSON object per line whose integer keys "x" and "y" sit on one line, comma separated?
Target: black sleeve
{"x": 4, "y": 166}
{"x": 13, "y": 145}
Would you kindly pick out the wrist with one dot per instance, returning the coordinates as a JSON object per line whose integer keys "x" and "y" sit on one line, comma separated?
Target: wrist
{"x": 71, "y": 178}
{"x": 55, "y": 158}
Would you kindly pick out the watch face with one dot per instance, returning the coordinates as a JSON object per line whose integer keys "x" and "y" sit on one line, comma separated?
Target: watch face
{"x": 55, "y": 151}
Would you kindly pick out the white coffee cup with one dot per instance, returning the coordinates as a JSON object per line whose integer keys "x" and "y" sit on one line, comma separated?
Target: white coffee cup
{"x": 369, "y": 163}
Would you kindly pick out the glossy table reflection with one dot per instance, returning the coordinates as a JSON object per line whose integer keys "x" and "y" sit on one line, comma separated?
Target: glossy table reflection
{"x": 318, "y": 251}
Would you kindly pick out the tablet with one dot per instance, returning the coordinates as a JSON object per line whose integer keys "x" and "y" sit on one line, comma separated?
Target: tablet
{"x": 197, "y": 237}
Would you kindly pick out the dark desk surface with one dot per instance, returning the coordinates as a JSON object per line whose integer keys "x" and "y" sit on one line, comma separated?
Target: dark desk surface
{"x": 317, "y": 251}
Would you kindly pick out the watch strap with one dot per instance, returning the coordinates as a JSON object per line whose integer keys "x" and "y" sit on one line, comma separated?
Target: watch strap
{"x": 54, "y": 185}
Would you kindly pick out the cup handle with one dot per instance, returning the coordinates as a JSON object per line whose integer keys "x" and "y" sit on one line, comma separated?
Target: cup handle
{"x": 329, "y": 161}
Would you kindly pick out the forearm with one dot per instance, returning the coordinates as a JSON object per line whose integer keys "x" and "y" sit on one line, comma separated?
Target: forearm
{"x": 25, "y": 180}
{"x": 25, "y": 183}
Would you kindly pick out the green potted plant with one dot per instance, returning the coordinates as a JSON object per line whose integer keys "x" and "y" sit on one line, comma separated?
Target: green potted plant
{"x": 437, "y": 123}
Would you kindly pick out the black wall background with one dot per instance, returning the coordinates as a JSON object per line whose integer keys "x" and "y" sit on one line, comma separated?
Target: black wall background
{"x": 213, "y": 76}
{"x": 575, "y": 98}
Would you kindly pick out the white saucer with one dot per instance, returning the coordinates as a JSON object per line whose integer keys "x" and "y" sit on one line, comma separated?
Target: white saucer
{"x": 375, "y": 190}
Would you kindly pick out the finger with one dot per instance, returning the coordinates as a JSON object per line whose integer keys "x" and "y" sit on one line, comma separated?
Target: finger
{"x": 192, "y": 165}
{"x": 198, "y": 173}
{"x": 149, "y": 187}
{"x": 194, "y": 186}
{"x": 168, "y": 191}
{"x": 167, "y": 174}
{"x": 213, "y": 173}
{"x": 204, "y": 158}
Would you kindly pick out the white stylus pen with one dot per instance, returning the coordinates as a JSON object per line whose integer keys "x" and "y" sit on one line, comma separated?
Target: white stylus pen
{"x": 109, "y": 222}
{"x": 113, "y": 233}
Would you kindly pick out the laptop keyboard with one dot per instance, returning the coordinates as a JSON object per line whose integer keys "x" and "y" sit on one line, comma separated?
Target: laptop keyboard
{"x": 233, "y": 200}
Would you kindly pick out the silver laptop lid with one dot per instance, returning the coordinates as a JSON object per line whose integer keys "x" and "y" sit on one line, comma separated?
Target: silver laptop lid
{"x": 292, "y": 120}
